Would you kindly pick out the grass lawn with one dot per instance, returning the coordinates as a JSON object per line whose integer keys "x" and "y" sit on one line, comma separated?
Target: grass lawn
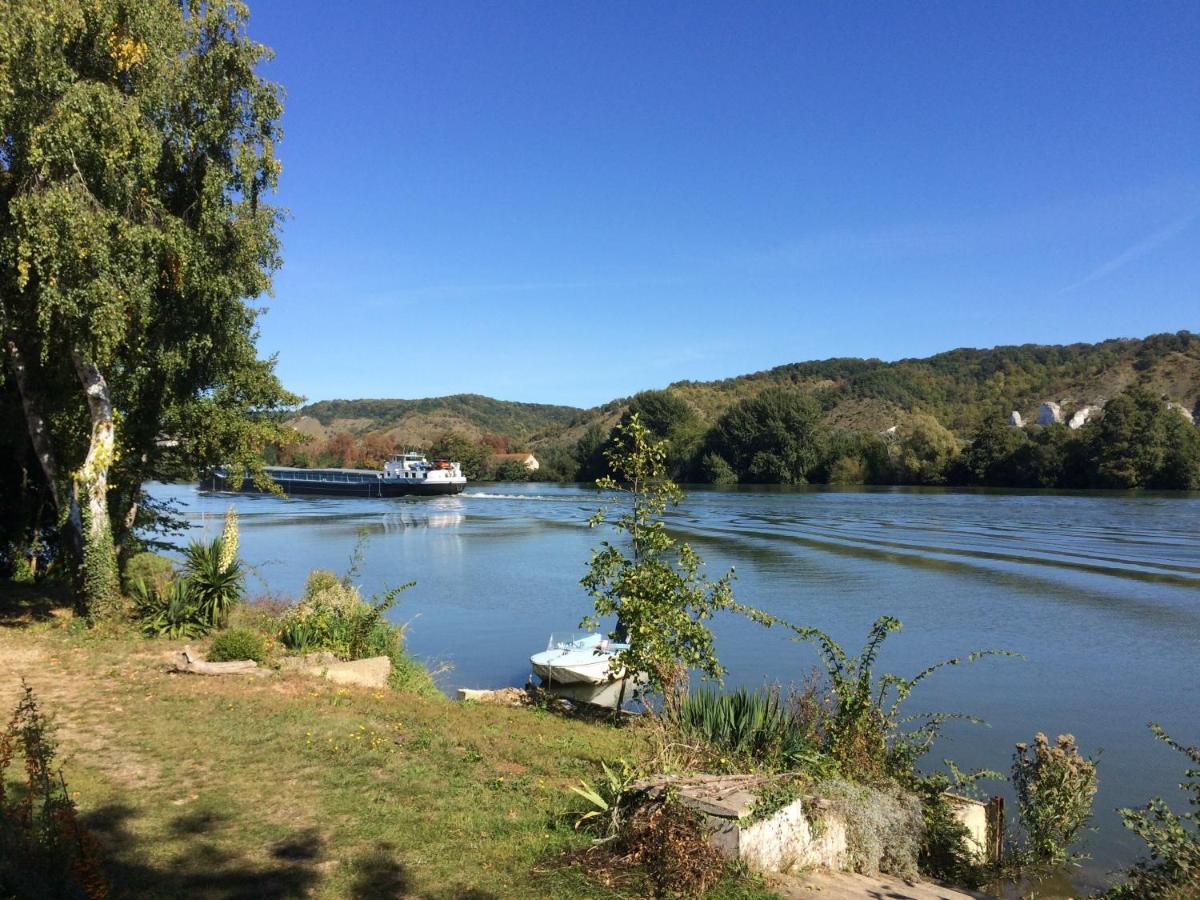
{"x": 291, "y": 786}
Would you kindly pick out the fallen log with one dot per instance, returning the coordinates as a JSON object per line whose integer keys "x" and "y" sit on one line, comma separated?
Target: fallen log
{"x": 186, "y": 660}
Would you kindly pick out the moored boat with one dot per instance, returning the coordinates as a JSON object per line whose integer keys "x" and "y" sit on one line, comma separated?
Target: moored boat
{"x": 406, "y": 474}
{"x": 581, "y": 667}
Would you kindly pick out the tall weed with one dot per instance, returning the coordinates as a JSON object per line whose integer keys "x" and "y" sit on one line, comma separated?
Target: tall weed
{"x": 44, "y": 851}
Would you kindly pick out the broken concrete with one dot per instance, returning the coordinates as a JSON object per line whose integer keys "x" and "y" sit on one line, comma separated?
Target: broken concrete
{"x": 803, "y": 834}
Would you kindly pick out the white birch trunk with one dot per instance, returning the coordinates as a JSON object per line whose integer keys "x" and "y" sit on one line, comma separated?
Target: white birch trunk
{"x": 100, "y": 582}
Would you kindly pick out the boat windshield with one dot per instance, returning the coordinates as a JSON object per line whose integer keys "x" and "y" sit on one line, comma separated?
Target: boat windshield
{"x": 572, "y": 640}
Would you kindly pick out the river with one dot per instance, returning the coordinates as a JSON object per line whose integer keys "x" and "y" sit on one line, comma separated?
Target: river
{"x": 1100, "y": 593}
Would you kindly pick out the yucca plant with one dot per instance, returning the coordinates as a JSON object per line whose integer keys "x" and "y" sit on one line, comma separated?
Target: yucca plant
{"x": 169, "y": 612}
{"x": 214, "y": 578}
{"x": 607, "y": 800}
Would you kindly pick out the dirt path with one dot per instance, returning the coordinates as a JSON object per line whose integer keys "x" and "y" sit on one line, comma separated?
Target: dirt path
{"x": 845, "y": 886}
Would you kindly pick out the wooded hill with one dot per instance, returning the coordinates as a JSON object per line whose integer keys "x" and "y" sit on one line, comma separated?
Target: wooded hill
{"x": 961, "y": 388}
{"x": 419, "y": 422}
{"x": 941, "y": 420}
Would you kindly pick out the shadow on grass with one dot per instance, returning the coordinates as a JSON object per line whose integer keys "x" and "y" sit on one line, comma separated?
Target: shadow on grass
{"x": 205, "y": 869}
{"x": 138, "y": 867}
{"x": 24, "y": 604}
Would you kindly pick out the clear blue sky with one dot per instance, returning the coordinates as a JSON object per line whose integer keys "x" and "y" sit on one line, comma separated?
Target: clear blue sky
{"x": 567, "y": 202}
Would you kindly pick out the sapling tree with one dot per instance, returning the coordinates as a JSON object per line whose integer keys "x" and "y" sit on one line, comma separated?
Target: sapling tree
{"x": 650, "y": 582}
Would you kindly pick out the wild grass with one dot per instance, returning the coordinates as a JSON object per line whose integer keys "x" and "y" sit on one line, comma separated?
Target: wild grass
{"x": 289, "y": 786}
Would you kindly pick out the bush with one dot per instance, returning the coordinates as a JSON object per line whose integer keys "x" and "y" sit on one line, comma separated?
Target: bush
{"x": 332, "y": 616}
{"x": 168, "y": 611}
{"x": 44, "y": 851}
{"x": 151, "y": 569}
{"x": 1054, "y": 786}
{"x": 884, "y": 826}
{"x": 238, "y": 644}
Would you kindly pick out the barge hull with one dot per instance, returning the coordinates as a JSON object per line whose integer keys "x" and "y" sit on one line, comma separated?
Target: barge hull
{"x": 373, "y": 487}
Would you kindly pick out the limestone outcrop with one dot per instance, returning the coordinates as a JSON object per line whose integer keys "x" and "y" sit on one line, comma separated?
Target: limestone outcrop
{"x": 1080, "y": 417}
{"x": 1016, "y": 420}
{"x": 1050, "y": 413}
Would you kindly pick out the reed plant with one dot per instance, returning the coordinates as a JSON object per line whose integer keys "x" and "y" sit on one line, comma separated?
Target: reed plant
{"x": 760, "y": 727}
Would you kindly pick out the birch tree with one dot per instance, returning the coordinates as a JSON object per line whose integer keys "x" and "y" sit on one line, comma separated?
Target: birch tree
{"x": 136, "y": 160}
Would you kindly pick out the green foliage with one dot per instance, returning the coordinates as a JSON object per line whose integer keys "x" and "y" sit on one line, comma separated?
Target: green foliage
{"x": 756, "y": 727}
{"x": 1172, "y": 871}
{"x": 238, "y": 644}
{"x": 457, "y": 447}
{"x": 519, "y": 420}
{"x": 775, "y": 437}
{"x": 947, "y": 853}
{"x": 772, "y": 797}
{"x": 1141, "y": 443}
{"x": 1055, "y": 786}
{"x": 661, "y": 600}
{"x": 149, "y": 568}
{"x": 168, "y": 610}
{"x": 101, "y": 579}
{"x": 715, "y": 470}
{"x": 44, "y": 851}
{"x": 669, "y": 417}
{"x": 924, "y": 451}
{"x": 214, "y": 580}
{"x": 512, "y": 470}
{"x": 866, "y": 733}
{"x": 332, "y": 616}
{"x": 135, "y": 180}
{"x": 608, "y": 801}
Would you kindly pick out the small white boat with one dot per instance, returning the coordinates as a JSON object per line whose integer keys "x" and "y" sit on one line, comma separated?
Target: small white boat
{"x": 580, "y": 667}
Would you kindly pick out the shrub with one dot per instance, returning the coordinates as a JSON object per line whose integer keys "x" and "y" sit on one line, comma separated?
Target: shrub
{"x": 168, "y": 611}
{"x": 1054, "y": 786}
{"x": 948, "y": 852}
{"x": 238, "y": 644}
{"x": 44, "y": 851}
{"x": 865, "y": 732}
{"x": 883, "y": 825}
{"x": 1173, "y": 839}
{"x": 332, "y": 616}
{"x": 149, "y": 568}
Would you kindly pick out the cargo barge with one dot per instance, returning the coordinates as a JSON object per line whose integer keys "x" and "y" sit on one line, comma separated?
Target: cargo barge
{"x": 408, "y": 474}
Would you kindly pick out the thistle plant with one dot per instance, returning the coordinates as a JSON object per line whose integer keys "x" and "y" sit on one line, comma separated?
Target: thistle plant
{"x": 1055, "y": 785}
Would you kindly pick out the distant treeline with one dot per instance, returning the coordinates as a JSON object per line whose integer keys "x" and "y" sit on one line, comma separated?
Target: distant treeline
{"x": 781, "y": 437}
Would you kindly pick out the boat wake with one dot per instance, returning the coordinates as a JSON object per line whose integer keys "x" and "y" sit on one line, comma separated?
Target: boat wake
{"x": 486, "y": 495}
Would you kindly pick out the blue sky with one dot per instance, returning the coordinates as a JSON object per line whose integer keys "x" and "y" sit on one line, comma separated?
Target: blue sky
{"x": 568, "y": 202}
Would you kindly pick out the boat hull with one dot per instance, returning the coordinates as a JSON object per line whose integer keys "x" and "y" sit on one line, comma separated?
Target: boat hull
{"x": 335, "y": 486}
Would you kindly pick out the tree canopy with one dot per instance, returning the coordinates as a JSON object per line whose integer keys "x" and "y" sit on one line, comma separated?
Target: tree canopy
{"x": 137, "y": 156}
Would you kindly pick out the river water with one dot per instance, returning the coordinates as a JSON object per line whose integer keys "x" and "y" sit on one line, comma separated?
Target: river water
{"x": 1099, "y": 592}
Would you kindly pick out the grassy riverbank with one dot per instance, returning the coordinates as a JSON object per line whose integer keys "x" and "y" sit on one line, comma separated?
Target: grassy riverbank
{"x": 289, "y": 786}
